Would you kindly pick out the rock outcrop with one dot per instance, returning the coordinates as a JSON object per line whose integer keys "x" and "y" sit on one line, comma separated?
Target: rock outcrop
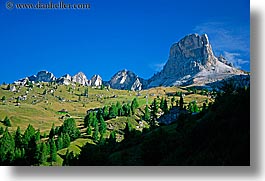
{"x": 96, "y": 80}
{"x": 65, "y": 80}
{"x": 81, "y": 78}
{"x": 45, "y": 76}
{"x": 192, "y": 61}
{"x": 127, "y": 80}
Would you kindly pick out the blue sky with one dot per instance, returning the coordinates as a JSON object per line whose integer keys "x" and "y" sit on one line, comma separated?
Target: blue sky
{"x": 117, "y": 34}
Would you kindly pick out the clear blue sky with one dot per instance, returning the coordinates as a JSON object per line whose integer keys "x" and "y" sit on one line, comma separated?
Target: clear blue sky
{"x": 117, "y": 34}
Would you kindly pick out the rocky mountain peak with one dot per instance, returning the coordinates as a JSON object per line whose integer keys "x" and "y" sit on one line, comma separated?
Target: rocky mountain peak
{"x": 81, "y": 78}
{"x": 192, "y": 56}
{"x": 96, "y": 80}
{"x": 43, "y": 76}
{"x": 126, "y": 80}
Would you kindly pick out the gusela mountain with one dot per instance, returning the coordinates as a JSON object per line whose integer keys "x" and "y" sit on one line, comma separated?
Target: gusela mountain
{"x": 191, "y": 62}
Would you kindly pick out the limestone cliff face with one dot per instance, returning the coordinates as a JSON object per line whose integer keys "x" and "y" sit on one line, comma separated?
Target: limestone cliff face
{"x": 126, "y": 80}
{"x": 96, "y": 80}
{"x": 81, "y": 78}
{"x": 192, "y": 57}
{"x": 45, "y": 76}
{"x": 65, "y": 80}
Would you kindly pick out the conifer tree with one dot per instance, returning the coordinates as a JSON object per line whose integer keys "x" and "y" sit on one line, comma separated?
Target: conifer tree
{"x": 53, "y": 151}
{"x": 146, "y": 113}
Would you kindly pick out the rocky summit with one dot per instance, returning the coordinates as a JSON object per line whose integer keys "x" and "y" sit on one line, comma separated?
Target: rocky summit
{"x": 81, "y": 78}
{"x": 192, "y": 61}
{"x": 127, "y": 80}
{"x": 96, "y": 80}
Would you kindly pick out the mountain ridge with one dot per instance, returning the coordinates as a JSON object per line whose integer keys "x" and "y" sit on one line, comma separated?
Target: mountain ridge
{"x": 191, "y": 61}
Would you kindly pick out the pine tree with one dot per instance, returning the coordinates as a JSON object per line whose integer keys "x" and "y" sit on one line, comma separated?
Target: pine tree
{"x": 119, "y": 108}
{"x": 127, "y": 130}
{"x": 134, "y": 105}
{"x": 44, "y": 152}
{"x": 154, "y": 111}
{"x": 173, "y": 99}
{"x": 88, "y": 119}
{"x": 52, "y": 132}
{"x": 96, "y": 134}
{"x": 113, "y": 112}
{"x": 28, "y": 135}
{"x": 181, "y": 101}
{"x": 7, "y": 122}
{"x": 66, "y": 140}
{"x": 103, "y": 125}
{"x": 18, "y": 138}
{"x": 7, "y": 148}
{"x": 59, "y": 143}
{"x": 165, "y": 107}
{"x": 88, "y": 131}
{"x": 146, "y": 113}
{"x": 1, "y": 130}
{"x": 105, "y": 112}
{"x": 53, "y": 151}
{"x": 69, "y": 126}
{"x": 162, "y": 103}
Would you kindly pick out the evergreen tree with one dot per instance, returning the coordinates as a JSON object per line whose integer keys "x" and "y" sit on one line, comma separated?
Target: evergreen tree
{"x": 173, "y": 99}
{"x": 28, "y": 135}
{"x": 7, "y": 122}
{"x": 96, "y": 134}
{"x": 66, "y": 140}
{"x": 94, "y": 121}
{"x": 1, "y": 130}
{"x": 162, "y": 103}
{"x": 134, "y": 105}
{"x": 69, "y": 126}
{"x": 119, "y": 108}
{"x": 3, "y": 98}
{"x": 44, "y": 153}
{"x": 59, "y": 143}
{"x": 103, "y": 126}
{"x": 18, "y": 138}
{"x": 7, "y": 148}
{"x": 181, "y": 101}
{"x": 53, "y": 151}
{"x": 113, "y": 112}
{"x": 52, "y": 132}
{"x": 127, "y": 109}
{"x": 88, "y": 131}
{"x": 127, "y": 130}
{"x": 154, "y": 111}
{"x": 165, "y": 107}
{"x": 105, "y": 112}
{"x": 146, "y": 113}
{"x": 88, "y": 119}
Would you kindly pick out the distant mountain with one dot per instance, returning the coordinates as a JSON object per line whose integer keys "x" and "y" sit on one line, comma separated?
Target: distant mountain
{"x": 127, "y": 80}
{"x": 45, "y": 76}
{"x": 192, "y": 61}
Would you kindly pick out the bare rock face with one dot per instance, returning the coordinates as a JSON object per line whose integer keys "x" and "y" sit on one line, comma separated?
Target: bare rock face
{"x": 65, "y": 80}
{"x": 81, "y": 79}
{"x": 126, "y": 80}
{"x": 45, "y": 76}
{"x": 96, "y": 80}
{"x": 192, "y": 61}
